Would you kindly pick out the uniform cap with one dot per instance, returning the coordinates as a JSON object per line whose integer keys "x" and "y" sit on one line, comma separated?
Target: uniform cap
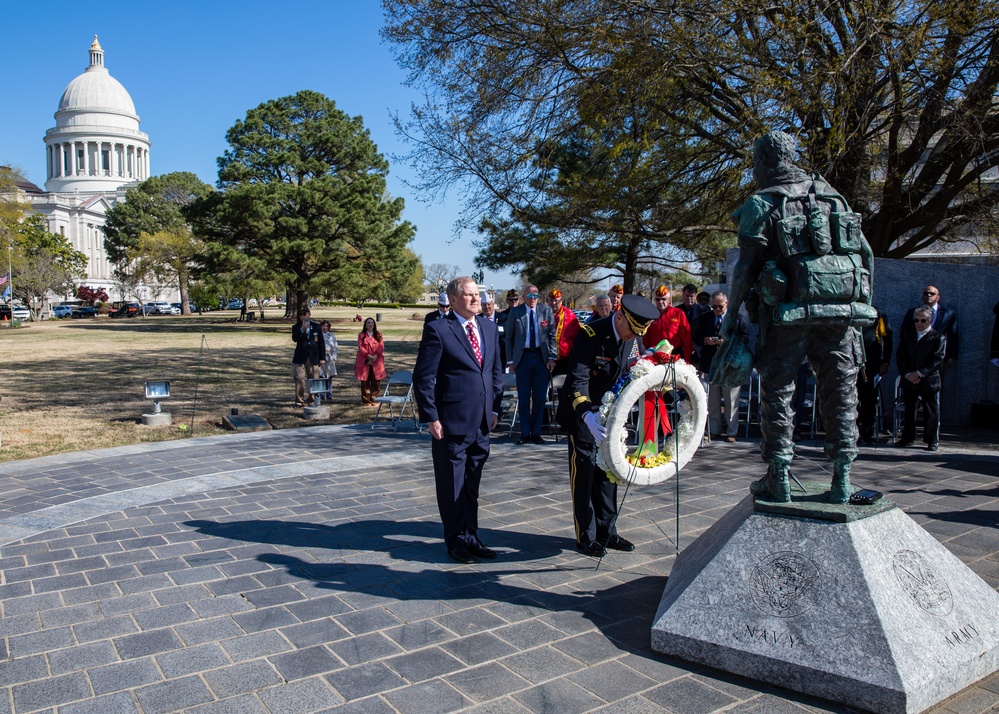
{"x": 619, "y": 289}
{"x": 555, "y": 294}
{"x": 512, "y": 294}
{"x": 639, "y": 312}
{"x": 486, "y": 297}
{"x": 662, "y": 291}
{"x": 442, "y": 300}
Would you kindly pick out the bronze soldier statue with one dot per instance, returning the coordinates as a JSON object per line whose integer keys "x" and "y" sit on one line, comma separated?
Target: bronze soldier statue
{"x": 804, "y": 273}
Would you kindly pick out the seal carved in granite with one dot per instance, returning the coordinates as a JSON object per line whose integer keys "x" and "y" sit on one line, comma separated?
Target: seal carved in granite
{"x": 921, "y": 582}
{"x": 784, "y": 584}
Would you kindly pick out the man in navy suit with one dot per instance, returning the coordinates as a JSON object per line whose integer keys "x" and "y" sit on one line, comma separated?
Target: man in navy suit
{"x": 458, "y": 385}
{"x": 707, "y": 341}
{"x": 944, "y": 322}
{"x": 531, "y": 352}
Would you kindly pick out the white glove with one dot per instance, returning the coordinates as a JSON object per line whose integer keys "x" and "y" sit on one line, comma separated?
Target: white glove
{"x": 595, "y": 427}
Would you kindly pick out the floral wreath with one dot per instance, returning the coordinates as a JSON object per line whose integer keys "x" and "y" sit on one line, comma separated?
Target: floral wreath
{"x": 648, "y": 378}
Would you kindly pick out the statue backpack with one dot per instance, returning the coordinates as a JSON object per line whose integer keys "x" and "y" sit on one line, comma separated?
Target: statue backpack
{"x": 820, "y": 276}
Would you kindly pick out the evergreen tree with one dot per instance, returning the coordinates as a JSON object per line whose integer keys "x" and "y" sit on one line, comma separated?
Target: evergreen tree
{"x": 303, "y": 201}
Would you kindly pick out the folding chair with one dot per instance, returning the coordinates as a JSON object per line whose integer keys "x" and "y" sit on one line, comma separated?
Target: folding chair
{"x": 398, "y": 393}
{"x": 749, "y": 400}
{"x": 551, "y": 406}
{"x": 510, "y": 400}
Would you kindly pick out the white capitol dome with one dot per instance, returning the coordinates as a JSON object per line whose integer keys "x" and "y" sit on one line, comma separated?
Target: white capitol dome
{"x": 96, "y": 144}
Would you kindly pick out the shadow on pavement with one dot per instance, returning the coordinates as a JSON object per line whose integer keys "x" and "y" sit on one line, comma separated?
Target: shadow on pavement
{"x": 409, "y": 541}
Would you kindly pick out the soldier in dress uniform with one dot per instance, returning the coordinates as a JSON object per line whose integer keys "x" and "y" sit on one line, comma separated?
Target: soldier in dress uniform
{"x": 601, "y": 353}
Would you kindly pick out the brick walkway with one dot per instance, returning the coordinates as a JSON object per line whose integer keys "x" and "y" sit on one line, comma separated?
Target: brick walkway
{"x": 302, "y": 571}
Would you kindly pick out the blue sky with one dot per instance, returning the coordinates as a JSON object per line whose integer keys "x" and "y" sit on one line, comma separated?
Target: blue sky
{"x": 194, "y": 68}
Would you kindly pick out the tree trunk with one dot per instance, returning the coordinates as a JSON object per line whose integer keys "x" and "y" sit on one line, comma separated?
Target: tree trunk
{"x": 630, "y": 265}
{"x": 185, "y": 302}
{"x": 291, "y": 303}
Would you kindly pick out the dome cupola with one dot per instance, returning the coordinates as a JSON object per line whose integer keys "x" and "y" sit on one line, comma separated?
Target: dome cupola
{"x": 96, "y": 144}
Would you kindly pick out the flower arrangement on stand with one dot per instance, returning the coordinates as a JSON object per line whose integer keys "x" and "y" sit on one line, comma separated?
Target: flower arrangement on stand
{"x": 655, "y": 373}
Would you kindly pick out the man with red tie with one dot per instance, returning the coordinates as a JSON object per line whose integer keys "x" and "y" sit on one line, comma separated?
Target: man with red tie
{"x": 458, "y": 386}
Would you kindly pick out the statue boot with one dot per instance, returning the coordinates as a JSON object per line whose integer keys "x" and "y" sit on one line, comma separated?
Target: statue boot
{"x": 841, "y": 490}
{"x": 775, "y": 485}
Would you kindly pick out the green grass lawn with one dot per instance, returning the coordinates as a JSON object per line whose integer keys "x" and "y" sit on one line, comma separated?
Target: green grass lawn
{"x": 70, "y": 385}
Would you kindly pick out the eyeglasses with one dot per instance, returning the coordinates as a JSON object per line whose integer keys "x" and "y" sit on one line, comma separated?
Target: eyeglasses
{"x": 927, "y": 292}
{"x": 717, "y": 307}
{"x": 530, "y": 296}
{"x": 919, "y": 320}
{"x": 661, "y": 299}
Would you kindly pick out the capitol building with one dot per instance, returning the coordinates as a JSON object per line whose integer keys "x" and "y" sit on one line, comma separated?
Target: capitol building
{"x": 93, "y": 154}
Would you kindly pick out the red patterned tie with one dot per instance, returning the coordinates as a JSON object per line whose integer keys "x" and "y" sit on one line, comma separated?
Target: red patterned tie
{"x": 475, "y": 342}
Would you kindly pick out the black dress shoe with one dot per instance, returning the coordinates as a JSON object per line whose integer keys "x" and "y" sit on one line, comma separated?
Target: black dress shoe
{"x": 524, "y": 440}
{"x": 592, "y": 549}
{"x": 481, "y": 551}
{"x": 933, "y": 447}
{"x": 618, "y": 543}
{"x": 461, "y": 554}
{"x": 536, "y": 439}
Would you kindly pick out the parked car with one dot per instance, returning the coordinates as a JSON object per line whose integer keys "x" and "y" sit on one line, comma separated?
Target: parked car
{"x": 17, "y": 312}
{"x": 582, "y": 315}
{"x": 160, "y": 308}
{"x": 234, "y": 304}
{"x": 179, "y": 305}
{"x": 126, "y": 309}
{"x": 84, "y": 311}
{"x": 61, "y": 311}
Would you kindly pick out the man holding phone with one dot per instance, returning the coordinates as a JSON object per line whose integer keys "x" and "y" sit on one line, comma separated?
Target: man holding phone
{"x": 707, "y": 340}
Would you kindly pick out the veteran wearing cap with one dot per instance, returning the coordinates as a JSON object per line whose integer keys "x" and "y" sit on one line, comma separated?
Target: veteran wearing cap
{"x": 615, "y": 294}
{"x": 443, "y": 306}
{"x": 488, "y": 305}
{"x": 566, "y": 327}
{"x": 601, "y": 353}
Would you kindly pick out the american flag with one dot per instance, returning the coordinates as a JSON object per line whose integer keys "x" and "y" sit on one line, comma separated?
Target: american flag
{"x": 3, "y": 279}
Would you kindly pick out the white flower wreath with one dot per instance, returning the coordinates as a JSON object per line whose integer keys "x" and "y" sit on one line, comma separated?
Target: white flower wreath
{"x": 693, "y": 412}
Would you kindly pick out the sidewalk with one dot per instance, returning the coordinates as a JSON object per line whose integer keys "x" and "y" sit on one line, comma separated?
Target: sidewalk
{"x": 303, "y": 570}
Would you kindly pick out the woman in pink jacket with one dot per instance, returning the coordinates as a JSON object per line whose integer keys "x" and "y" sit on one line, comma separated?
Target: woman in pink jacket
{"x": 369, "y": 366}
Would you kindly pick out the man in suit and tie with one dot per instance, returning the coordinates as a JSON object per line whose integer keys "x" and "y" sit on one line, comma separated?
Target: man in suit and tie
{"x": 531, "y": 352}
{"x": 921, "y": 352}
{"x": 707, "y": 340}
{"x": 944, "y": 322}
{"x": 458, "y": 387}
{"x": 441, "y": 312}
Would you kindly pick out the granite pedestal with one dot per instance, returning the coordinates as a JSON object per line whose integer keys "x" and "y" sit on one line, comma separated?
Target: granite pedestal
{"x": 857, "y": 604}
